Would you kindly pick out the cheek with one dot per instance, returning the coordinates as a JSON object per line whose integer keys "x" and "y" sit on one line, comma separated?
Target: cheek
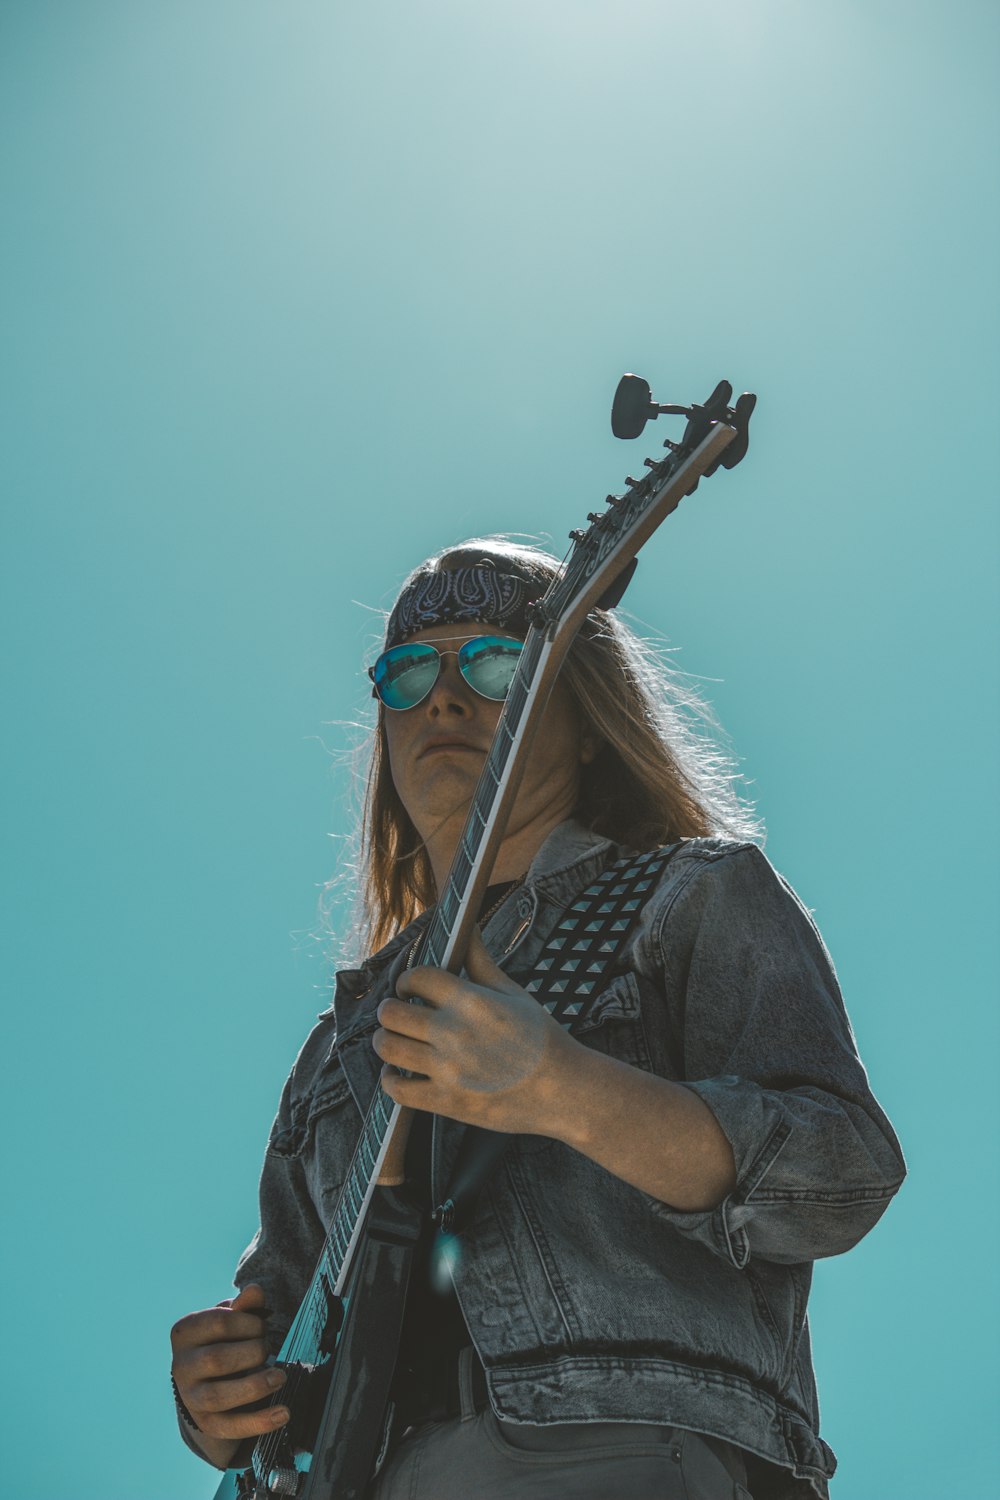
{"x": 557, "y": 746}
{"x": 394, "y": 742}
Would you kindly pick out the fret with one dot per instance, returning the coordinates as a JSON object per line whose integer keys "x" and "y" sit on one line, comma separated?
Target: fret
{"x": 450, "y": 901}
{"x": 460, "y": 871}
{"x": 384, "y": 1108}
{"x": 496, "y": 761}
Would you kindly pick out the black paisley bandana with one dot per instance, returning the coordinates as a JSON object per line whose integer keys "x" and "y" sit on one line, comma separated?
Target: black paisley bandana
{"x": 481, "y": 593}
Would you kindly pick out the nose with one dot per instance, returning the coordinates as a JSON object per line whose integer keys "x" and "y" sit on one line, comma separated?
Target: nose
{"x": 451, "y": 693}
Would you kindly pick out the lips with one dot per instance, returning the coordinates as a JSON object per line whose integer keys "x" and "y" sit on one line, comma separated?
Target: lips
{"x": 446, "y": 744}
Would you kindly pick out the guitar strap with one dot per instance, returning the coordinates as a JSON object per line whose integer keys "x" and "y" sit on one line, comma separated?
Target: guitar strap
{"x": 567, "y": 977}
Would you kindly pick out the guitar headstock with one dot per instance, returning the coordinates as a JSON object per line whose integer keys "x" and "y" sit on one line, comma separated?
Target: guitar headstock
{"x": 604, "y": 553}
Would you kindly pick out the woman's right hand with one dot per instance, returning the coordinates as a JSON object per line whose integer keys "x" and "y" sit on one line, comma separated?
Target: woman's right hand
{"x": 219, "y": 1366}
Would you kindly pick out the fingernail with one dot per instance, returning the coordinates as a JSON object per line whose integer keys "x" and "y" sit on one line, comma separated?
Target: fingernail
{"x": 278, "y": 1415}
{"x": 275, "y": 1379}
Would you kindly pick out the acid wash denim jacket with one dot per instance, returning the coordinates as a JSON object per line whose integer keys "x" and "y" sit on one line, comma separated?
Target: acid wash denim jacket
{"x": 588, "y": 1299}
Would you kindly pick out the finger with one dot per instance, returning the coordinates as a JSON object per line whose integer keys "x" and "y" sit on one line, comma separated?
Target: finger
{"x": 211, "y": 1361}
{"x": 405, "y": 1019}
{"x": 215, "y": 1325}
{"x": 432, "y": 986}
{"x": 413, "y": 1092}
{"x": 402, "y": 1051}
{"x": 483, "y": 971}
{"x": 220, "y": 1396}
{"x": 240, "y": 1424}
{"x": 251, "y": 1299}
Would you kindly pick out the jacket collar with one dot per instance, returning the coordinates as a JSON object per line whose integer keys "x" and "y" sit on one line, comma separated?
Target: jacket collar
{"x": 569, "y": 846}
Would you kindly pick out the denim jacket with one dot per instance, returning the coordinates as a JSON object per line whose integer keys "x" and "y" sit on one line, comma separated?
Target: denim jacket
{"x": 586, "y": 1298}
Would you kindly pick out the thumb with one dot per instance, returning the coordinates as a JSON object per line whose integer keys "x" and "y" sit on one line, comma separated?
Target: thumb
{"x": 482, "y": 970}
{"x": 250, "y": 1299}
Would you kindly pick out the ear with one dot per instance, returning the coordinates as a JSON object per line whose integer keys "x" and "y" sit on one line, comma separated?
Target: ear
{"x": 591, "y": 744}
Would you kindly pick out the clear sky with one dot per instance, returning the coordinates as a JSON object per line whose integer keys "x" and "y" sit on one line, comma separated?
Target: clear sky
{"x": 295, "y": 293}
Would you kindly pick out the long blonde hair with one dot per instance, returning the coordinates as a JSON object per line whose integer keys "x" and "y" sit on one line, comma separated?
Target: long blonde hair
{"x": 661, "y": 773}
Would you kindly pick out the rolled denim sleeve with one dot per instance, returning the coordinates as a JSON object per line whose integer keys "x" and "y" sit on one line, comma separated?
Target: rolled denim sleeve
{"x": 768, "y": 1046}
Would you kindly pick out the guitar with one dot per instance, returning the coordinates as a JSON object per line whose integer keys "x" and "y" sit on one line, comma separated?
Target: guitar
{"x": 340, "y": 1351}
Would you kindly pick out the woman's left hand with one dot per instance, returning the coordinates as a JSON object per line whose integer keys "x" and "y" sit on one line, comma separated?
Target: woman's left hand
{"x": 485, "y": 1051}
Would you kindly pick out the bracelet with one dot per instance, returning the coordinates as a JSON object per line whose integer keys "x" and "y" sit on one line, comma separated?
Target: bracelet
{"x": 182, "y": 1410}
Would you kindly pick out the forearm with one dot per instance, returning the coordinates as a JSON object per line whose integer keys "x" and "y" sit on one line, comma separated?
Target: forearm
{"x": 650, "y": 1132}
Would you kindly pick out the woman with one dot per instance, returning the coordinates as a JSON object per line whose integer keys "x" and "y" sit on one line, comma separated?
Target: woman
{"x": 628, "y": 1312}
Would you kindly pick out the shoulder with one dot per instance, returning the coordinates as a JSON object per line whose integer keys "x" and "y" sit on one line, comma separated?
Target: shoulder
{"x": 725, "y": 885}
{"x": 722, "y": 907}
{"x": 712, "y": 865}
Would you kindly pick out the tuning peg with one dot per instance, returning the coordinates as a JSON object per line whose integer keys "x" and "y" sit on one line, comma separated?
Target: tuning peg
{"x": 634, "y": 406}
{"x": 593, "y": 516}
{"x": 577, "y": 534}
{"x": 741, "y": 421}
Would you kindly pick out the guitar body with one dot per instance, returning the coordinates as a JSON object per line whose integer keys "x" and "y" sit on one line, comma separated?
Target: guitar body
{"x": 351, "y": 1428}
{"x": 341, "y": 1380}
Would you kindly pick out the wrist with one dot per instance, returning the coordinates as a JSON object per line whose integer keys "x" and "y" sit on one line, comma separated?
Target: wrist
{"x": 564, "y": 1094}
{"x": 185, "y": 1416}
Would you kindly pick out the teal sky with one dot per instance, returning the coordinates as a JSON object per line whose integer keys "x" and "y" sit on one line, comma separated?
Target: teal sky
{"x": 293, "y": 294}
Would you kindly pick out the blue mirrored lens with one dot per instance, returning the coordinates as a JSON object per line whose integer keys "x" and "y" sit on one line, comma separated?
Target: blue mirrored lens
{"x": 488, "y": 664}
{"x": 406, "y": 674}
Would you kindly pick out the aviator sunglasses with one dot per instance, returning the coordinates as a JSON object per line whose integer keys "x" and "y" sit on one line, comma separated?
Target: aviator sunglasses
{"x": 405, "y": 675}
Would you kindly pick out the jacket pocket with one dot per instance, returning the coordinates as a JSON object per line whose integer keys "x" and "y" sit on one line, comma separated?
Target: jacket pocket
{"x": 780, "y": 1294}
{"x": 292, "y": 1130}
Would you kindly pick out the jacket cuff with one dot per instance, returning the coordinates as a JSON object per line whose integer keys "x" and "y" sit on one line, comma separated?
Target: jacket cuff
{"x": 754, "y": 1126}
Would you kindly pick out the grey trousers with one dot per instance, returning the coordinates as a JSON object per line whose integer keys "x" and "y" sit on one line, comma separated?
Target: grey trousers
{"x": 478, "y": 1457}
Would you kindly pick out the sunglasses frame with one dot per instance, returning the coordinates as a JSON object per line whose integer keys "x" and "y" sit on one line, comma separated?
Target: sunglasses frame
{"x": 468, "y": 641}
